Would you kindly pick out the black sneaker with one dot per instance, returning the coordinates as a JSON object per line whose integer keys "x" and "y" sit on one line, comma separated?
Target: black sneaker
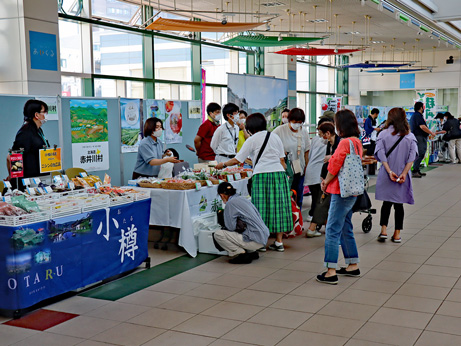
{"x": 423, "y": 174}
{"x": 243, "y": 258}
{"x": 343, "y": 271}
{"x": 274, "y": 247}
{"x": 416, "y": 175}
{"x": 332, "y": 280}
{"x": 253, "y": 255}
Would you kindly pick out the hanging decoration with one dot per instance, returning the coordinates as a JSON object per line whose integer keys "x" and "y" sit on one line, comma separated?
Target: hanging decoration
{"x": 316, "y": 51}
{"x": 164, "y": 24}
{"x": 267, "y": 41}
{"x": 373, "y": 65}
{"x": 399, "y": 70}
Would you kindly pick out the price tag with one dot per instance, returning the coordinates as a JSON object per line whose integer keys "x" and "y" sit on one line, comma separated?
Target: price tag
{"x": 65, "y": 177}
{"x": 7, "y": 199}
{"x": 26, "y": 181}
{"x": 83, "y": 174}
{"x": 31, "y": 191}
{"x": 36, "y": 181}
{"x": 7, "y": 184}
{"x": 57, "y": 179}
{"x": 48, "y": 189}
{"x": 249, "y": 174}
{"x": 230, "y": 178}
{"x": 209, "y": 183}
{"x": 71, "y": 185}
{"x": 40, "y": 190}
{"x": 97, "y": 185}
{"x": 198, "y": 186}
{"x": 237, "y": 176}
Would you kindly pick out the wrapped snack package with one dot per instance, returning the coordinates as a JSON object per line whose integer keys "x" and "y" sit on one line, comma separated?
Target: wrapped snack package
{"x": 23, "y": 203}
{"x": 10, "y": 210}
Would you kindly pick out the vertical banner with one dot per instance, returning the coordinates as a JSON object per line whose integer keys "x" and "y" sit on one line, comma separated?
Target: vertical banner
{"x": 90, "y": 141}
{"x": 131, "y": 124}
{"x": 429, "y": 99}
{"x": 173, "y": 122}
{"x": 203, "y": 93}
{"x": 259, "y": 94}
{"x": 331, "y": 103}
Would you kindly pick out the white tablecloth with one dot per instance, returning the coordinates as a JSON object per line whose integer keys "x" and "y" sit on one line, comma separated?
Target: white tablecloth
{"x": 176, "y": 208}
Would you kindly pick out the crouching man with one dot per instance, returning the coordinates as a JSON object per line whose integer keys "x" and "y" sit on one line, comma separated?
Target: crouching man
{"x": 245, "y": 230}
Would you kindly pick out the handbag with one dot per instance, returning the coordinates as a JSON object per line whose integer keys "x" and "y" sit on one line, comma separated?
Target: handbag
{"x": 250, "y": 181}
{"x": 290, "y": 170}
{"x": 351, "y": 182}
{"x": 362, "y": 203}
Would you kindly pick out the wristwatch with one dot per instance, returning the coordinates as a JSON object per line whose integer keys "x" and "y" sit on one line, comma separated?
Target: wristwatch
{"x": 224, "y": 165}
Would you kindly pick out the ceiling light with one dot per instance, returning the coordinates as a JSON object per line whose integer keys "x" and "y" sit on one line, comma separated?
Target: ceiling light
{"x": 224, "y": 20}
{"x": 318, "y": 20}
{"x": 280, "y": 37}
{"x": 377, "y": 42}
{"x": 353, "y": 33}
{"x": 273, "y": 4}
{"x": 361, "y": 70}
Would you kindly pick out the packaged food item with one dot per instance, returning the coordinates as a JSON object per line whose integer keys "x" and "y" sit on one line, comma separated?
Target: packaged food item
{"x": 10, "y": 210}
{"x": 106, "y": 179}
{"x": 23, "y": 203}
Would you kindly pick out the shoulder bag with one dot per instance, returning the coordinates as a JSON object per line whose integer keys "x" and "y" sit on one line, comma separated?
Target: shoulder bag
{"x": 394, "y": 146}
{"x": 351, "y": 182}
{"x": 250, "y": 181}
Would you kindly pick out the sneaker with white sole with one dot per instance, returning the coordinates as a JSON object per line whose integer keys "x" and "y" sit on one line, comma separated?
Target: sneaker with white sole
{"x": 274, "y": 247}
{"x": 308, "y": 218}
{"x": 312, "y": 234}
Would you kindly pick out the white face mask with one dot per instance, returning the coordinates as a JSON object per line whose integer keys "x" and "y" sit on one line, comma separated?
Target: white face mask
{"x": 235, "y": 118}
{"x": 296, "y": 126}
{"x": 217, "y": 117}
{"x": 157, "y": 133}
{"x": 44, "y": 120}
{"x": 241, "y": 121}
{"x": 284, "y": 120}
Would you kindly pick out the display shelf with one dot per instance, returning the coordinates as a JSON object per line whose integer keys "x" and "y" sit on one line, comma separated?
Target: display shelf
{"x": 24, "y": 219}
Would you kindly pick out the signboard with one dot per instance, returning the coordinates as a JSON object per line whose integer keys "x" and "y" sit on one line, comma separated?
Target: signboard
{"x": 45, "y": 259}
{"x": 331, "y": 103}
{"x": 16, "y": 166}
{"x": 52, "y": 103}
{"x": 131, "y": 124}
{"x": 407, "y": 81}
{"x": 50, "y": 160}
{"x": 195, "y": 109}
{"x": 43, "y": 52}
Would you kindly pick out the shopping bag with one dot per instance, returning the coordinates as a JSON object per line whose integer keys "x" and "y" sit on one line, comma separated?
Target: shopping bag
{"x": 351, "y": 182}
{"x": 297, "y": 217}
{"x": 362, "y": 203}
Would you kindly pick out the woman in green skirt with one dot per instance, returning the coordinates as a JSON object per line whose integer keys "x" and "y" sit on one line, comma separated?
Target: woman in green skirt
{"x": 270, "y": 192}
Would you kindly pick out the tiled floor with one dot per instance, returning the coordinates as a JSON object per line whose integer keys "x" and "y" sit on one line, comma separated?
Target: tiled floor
{"x": 409, "y": 294}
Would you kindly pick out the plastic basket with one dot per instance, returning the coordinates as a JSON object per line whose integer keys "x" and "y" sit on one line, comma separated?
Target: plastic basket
{"x": 24, "y": 219}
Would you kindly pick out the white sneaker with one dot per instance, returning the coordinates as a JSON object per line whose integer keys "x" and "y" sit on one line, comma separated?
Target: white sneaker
{"x": 308, "y": 218}
{"x": 312, "y": 234}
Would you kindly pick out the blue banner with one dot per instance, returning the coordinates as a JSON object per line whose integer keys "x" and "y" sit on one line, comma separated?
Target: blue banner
{"x": 407, "y": 81}
{"x": 45, "y": 259}
{"x": 43, "y": 52}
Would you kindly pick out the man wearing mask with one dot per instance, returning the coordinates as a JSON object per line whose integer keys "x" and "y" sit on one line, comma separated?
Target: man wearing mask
{"x": 370, "y": 126}
{"x": 284, "y": 115}
{"x": 205, "y": 133}
{"x": 225, "y": 138}
{"x": 421, "y": 131}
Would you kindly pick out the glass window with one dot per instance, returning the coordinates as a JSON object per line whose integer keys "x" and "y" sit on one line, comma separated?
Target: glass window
{"x": 322, "y": 79}
{"x": 302, "y": 76}
{"x": 172, "y": 60}
{"x": 173, "y": 91}
{"x": 70, "y": 43}
{"x": 216, "y": 94}
{"x": 71, "y": 86}
{"x": 117, "y": 53}
{"x": 242, "y": 62}
{"x": 114, "y": 9}
{"x": 216, "y": 62}
{"x": 118, "y": 88}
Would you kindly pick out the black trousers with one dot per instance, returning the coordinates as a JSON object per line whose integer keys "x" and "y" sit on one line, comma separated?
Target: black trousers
{"x": 316, "y": 191}
{"x": 398, "y": 214}
{"x": 371, "y": 151}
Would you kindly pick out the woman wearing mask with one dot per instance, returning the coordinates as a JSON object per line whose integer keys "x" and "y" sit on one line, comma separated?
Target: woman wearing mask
{"x": 31, "y": 139}
{"x": 270, "y": 193}
{"x": 452, "y": 136}
{"x": 150, "y": 151}
{"x": 296, "y": 144}
{"x": 339, "y": 230}
{"x": 225, "y": 138}
{"x": 243, "y": 134}
{"x": 284, "y": 115}
{"x": 396, "y": 149}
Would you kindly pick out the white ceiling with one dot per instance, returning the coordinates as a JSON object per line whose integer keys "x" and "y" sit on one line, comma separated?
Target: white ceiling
{"x": 383, "y": 24}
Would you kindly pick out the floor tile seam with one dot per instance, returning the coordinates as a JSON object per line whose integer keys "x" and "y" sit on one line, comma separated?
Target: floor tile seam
{"x": 131, "y": 304}
{"x": 265, "y": 325}
{"x": 215, "y": 337}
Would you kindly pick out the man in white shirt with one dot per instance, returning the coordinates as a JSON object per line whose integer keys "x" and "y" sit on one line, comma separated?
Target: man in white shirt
{"x": 225, "y": 138}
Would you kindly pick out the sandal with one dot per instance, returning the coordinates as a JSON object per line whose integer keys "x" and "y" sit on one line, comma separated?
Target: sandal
{"x": 382, "y": 238}
{"x": 396, "y": 240}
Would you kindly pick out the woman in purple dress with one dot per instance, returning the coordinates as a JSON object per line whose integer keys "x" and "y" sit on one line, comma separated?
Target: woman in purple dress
{"x": 396, "y": 149}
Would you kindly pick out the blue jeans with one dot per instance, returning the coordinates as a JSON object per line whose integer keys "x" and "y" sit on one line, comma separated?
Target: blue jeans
{"x": 340, "y": 231}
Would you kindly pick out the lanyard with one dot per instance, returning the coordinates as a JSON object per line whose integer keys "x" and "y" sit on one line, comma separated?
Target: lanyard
{"x": 233, "y": 136}
{"x": 40, "y": 133}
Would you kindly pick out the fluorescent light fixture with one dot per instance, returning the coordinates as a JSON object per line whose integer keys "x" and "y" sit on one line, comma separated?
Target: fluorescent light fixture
{"x": 273, "y": 4}
{"x": 318, "y": 20}
{"x": 377, "y": 42}
{"x": 390, "y": 9}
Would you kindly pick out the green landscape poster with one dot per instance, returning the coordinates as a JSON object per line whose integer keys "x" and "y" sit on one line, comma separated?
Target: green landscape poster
{"x": 88, "y": 121}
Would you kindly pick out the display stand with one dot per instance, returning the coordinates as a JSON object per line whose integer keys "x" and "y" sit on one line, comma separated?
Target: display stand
{"x": 49, "y": 257}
